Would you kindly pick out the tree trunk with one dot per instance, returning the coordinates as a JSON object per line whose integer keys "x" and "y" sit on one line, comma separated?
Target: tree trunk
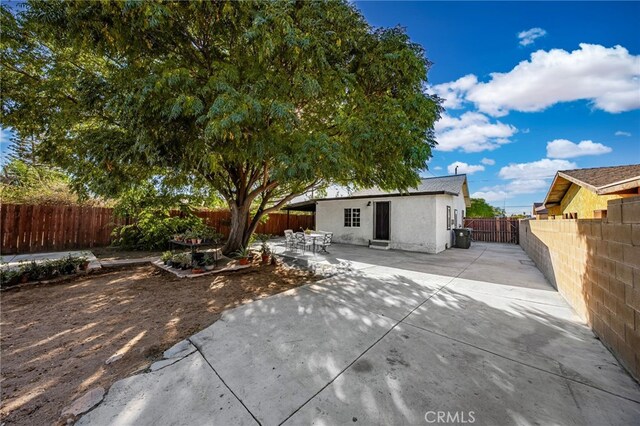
{"x": 239, "y": 223}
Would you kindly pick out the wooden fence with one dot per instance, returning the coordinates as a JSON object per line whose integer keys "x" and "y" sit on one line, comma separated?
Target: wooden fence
{"x": 495, "y": 230}
{"x": 36, "y": 228}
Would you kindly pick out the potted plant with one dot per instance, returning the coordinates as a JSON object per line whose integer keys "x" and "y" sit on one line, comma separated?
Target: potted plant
{"x": 84, "y": 263}
{"x": 166, "y": 257}
{"x": 180, "y": 261}
{"x": 265, "y": 250}
{"x": 209, "y": 262}
{"x": 243, "y": 255}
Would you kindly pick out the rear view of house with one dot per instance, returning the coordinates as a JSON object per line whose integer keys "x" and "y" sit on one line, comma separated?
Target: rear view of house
{"x": 420, "y": 219}
{"x": 583, "y": 193}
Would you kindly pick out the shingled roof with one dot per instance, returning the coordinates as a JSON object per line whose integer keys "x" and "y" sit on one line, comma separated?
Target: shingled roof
{"x": 444, "y": 184}
{"x": 601, "y": 180}
{"x": 451, "y": 185}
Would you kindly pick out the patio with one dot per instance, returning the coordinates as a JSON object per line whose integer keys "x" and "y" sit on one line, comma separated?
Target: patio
{"x": 391, "y": 338}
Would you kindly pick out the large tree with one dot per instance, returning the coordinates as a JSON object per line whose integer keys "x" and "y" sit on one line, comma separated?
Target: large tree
{"x": 480, "y": 208}
{"x": 259, "y": 101}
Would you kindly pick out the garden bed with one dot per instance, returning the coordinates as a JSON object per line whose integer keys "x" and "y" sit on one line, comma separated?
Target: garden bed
{"x": 56, "y": 339}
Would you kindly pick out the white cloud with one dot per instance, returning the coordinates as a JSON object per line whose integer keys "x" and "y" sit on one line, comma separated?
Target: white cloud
{"x": 464, "y": 168}
{"x": 512, "y": 189}
{"x": 621, "y": 133}
{"x": 488, "y": 161}
{"x": 607, "y": 77}
{"x": 471, "y": 132}
{"x": 437, "y": 168}
{"x": 562, "y": 148}
{"x": 490, "y": 196}
{"x": 540, "y": 169}
{"x": 529, "y": 36}
{"x": 453, "y": 92}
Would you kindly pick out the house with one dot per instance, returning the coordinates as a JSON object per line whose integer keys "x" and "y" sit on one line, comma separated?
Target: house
{"x": 539, "y": 211}
{"x": 583, "y": 193}
{"x": 420, "y": 219}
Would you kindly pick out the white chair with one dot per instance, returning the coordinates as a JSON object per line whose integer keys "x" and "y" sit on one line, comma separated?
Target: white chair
{"x": 326, "y": 241}
{"x": 289, "y": 240}
{"x": 301, "y": 241}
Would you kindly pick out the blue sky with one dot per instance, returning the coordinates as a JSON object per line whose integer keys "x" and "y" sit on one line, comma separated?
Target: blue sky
{"x": 532, "y": 120}
{"x": 567, "y": 96}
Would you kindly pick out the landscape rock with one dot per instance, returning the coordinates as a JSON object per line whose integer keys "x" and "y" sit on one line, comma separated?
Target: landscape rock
{"x": 113, "y": 358}
{"x": 85, "y": 403}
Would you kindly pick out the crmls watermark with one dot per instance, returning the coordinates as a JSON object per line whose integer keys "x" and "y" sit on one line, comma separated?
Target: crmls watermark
{"x": 458, "y": 417}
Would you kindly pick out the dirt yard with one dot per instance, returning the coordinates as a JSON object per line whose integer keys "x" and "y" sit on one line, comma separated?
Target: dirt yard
{"x": 56, "y": 339}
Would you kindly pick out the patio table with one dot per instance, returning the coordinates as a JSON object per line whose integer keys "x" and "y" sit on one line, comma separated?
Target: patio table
{"x": 313, "y": 236}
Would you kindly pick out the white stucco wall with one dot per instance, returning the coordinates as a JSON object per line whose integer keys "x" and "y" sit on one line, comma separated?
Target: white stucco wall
{"x": 444, "y": 237}
{"x": 418, "y": 222}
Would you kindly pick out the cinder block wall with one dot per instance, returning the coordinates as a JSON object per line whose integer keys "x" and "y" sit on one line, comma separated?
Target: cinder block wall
{"x": 595, "y": 265}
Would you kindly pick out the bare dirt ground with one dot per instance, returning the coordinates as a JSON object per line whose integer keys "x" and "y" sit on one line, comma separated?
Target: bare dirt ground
{"x": 56, "y": 339}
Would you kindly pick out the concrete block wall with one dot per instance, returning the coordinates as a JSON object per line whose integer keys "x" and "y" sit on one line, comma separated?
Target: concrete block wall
{"x": 595, "y": 265}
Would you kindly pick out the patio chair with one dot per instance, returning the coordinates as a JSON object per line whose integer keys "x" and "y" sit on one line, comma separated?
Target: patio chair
{"x": 326, "y": 241}
{"x": 301, "y": 241}
{"x": 289, "y": 241}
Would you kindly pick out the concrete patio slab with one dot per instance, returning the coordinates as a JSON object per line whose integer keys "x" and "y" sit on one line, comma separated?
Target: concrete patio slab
{"x": 548, "y": 336}
{"x": 410, "y": 373}
{"x": 388, "y": 295}
{"x": 278, "y": 352}
{"x": 187, "y": 392}
{"x": 392, "y": 336}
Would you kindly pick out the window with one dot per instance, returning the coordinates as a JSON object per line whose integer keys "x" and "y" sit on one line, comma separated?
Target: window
{"x": 455, "y": 217}
{"x": 448, "y": 217}
{"x": 352, "y": 218}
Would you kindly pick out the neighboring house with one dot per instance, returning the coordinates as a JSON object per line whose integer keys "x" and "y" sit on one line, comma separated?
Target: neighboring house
{"x": 420, "y": 219}
{"x": 539, "y": 211}
{"x": 583, "y": 193}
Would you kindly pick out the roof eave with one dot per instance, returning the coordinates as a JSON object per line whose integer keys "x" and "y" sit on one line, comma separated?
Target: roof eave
{"x": 623, "y": 185}
{"x": 411, "y": 194}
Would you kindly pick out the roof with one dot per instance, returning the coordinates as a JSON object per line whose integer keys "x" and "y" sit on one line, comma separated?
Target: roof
{"x": 539, "y": 208}
{"x": 302, "y": 206}
{"x": 600, "y": 180}
{"x": 451, "y": 185}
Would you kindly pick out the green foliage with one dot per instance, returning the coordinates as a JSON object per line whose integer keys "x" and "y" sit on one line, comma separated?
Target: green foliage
{"x": 23, "y": 183}
{"x": 244, "y": 252}
{"x": 166, "y": 256}
{"x": 252, "y": 101}
{"x": 37, "y": 271}
{"x": 181, "y": 260}
{"x": 24, "y": 149}
{"x": 480, "y": 208}
{"x": 209, "y": 259}
{"x": 148, "y": 206}
{"x": 152, "y": 229}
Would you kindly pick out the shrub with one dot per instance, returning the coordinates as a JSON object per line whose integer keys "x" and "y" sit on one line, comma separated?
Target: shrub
{"x": 152, "y": 230}
{"x": 9, "y": 278}
{"x": 41, "y": 271}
